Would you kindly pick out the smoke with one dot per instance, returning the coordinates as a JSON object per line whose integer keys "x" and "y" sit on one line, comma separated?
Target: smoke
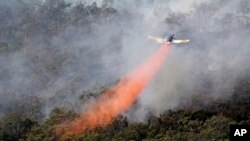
{"x": 54, "y": 61}
{"x": 56, "y": 52}
{"x": 209, "y": 66}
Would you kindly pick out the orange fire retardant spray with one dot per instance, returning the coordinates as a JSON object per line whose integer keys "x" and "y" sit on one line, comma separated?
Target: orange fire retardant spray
{"x": 117, "y": 99}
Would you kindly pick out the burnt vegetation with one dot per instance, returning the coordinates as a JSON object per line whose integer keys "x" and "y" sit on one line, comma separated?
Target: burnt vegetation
{"x": 23, "y": 119}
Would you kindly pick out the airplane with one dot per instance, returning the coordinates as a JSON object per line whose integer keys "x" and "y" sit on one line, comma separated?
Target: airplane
{"x": 168, "y": 39}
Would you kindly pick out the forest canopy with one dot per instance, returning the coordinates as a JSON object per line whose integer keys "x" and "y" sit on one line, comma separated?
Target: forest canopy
{"x": 55, "y": 56}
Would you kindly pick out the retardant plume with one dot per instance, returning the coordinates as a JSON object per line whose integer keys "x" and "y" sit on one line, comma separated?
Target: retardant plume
{"x": 116, "y": 100}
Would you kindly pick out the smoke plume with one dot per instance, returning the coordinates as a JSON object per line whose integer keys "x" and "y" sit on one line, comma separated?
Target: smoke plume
{"x": 53, "y": 54}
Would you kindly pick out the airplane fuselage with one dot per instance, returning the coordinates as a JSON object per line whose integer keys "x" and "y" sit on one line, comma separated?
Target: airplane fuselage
{"x": 168, "y": 39}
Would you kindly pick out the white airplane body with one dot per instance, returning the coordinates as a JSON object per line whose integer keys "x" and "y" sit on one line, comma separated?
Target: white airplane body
{"x": 168, "y": 39}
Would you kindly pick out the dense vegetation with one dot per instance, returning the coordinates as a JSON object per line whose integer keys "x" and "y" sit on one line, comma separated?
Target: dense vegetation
{"x": 210, "y": 122}
{"x": 42, "y": 44}
{"x": 22, "y": 117}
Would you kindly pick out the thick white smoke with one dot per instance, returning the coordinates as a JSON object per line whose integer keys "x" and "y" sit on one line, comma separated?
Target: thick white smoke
{"x": 80, "y": 58}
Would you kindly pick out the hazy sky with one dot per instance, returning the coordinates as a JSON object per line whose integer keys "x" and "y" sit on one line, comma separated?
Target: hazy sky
{"x": 205, "y": 62}
{"x": 182, "y": 5}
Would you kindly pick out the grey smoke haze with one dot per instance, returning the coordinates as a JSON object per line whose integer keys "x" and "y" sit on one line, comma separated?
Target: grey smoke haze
{"x": 211, "y": 64}
{"x": 58, "y": 67}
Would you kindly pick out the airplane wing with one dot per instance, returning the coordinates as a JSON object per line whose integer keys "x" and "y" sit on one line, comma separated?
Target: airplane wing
{"x": 181, "y": 41}
{"x": 161, "y": 40}
{"x": 157, "y": 39}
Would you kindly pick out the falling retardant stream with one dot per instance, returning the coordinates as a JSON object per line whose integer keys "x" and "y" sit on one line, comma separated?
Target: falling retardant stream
{"x": 117, "y": 99}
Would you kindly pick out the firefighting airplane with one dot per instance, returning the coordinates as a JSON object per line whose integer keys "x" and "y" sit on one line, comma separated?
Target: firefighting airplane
{"x": 168, "y": 39}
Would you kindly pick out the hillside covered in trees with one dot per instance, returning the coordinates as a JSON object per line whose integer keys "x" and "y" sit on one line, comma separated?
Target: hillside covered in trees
{"x": 194, "y": 121}
{"x": 56, "y": 56}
